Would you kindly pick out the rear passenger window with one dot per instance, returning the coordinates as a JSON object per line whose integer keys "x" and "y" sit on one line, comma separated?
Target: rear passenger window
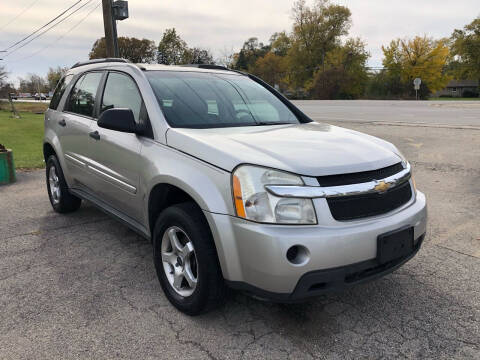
{"x": 82, "y": 97}
{"x": 122, "y": 92}
{"x": 59, "y": 90}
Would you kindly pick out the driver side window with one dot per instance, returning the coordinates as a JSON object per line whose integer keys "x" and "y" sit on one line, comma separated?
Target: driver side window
{"x": 122, "y": 92}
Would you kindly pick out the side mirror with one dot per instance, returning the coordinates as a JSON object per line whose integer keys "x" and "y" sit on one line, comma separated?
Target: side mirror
{"x": 118, "y": 119}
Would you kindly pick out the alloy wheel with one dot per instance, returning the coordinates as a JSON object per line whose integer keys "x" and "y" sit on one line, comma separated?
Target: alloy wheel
{"x": 179, "y": 261}
{"x": 54, "y": 183}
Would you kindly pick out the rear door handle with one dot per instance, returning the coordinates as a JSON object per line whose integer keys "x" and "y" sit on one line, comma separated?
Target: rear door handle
{"x": 95, "y": 135}
{"x": 62, "y": 123}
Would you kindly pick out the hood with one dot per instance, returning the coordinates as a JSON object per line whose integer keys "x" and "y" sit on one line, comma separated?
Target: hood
{"x": 307, "y": 149}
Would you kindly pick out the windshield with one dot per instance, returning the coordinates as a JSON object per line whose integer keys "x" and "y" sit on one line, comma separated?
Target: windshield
{"x": 208, "y": 100}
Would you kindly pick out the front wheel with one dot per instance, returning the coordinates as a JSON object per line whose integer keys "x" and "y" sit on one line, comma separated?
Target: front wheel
{"x": 186, "y": 260}
{"x": 61, "y": 199}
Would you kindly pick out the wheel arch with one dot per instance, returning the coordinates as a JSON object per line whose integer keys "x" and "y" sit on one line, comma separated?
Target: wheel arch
{"x": 162, "y": 196}
{"x": 51, "y": 146}
{"x": 48, "y": 150}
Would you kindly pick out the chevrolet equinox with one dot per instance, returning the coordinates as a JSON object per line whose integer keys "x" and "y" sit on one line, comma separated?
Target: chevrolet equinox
{"x": 233, "y": 185}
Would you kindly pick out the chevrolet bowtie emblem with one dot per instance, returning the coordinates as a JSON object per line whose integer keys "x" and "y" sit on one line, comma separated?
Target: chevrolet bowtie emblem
{"x": 382, "y": 186}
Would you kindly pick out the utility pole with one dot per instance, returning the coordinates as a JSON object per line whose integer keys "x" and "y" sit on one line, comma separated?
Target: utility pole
{"x": 110, "y": 28}
{"x": 112, "y": 12}
{"x": 115, "y": 39}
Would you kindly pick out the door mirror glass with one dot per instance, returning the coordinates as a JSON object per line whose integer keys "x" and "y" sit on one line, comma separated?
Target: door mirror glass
{"x": 118, "y": 119}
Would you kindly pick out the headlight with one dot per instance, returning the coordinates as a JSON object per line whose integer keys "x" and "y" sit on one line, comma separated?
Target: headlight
{"x": 253, "y": 202}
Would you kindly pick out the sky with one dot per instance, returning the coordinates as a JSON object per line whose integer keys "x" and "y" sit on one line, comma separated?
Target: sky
{"x": 218, "y": 25}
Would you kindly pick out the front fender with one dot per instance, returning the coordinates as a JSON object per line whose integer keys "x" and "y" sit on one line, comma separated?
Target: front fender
{"x": 208, "y": 185}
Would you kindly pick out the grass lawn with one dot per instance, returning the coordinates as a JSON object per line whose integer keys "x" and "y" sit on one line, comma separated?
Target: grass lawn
{"x": 34, "y": 107}
{"x": 24, "y": 136}
{"x": 454, "y": 99}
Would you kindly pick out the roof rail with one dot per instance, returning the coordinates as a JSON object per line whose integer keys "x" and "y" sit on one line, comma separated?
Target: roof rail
{"x": 98, "y": 61}
{"x": 207, "y": 66}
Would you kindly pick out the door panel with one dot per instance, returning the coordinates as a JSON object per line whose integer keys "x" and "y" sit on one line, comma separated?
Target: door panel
{"x": 115, "y": 156}
{"x": 76, "y": 122}
{"x": 74, "y": 142}
{"x": 114, "y": 165}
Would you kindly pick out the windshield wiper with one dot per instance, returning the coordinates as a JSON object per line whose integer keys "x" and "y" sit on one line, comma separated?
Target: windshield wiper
{"x": 262, "y": 123}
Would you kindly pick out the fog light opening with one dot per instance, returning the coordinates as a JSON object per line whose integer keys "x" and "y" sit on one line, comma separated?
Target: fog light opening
{"x": 298, "y": 255}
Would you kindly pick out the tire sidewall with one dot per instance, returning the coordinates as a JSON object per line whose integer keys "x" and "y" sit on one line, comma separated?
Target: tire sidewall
{"x": 68, "y": 202}
{"x": 174, "y": 217}
{"x": 53, "y": 161}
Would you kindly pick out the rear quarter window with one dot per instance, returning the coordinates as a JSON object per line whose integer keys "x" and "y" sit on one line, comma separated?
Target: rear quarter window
{"x": 59, "y": 91}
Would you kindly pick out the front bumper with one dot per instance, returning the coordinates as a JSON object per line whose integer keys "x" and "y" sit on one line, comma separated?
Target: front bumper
{"x": 320, "y": 282}
{"x": 253, "y": 256}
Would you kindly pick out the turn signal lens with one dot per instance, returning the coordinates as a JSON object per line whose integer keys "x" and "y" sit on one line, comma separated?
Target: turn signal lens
{"x": 237, "y": 196}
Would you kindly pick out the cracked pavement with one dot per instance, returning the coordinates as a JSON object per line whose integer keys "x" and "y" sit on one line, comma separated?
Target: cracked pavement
{"x": 84, "y": 286}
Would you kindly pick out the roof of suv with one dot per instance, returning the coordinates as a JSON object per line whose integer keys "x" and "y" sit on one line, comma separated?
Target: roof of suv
{"x": 108, "y": 62}
{"x": 161, "y": 67}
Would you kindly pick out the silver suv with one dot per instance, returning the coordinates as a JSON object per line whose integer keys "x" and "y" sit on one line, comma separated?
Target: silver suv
{"x": 233, "y": 184}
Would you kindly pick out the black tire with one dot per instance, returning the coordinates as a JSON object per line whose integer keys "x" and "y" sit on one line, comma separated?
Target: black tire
{"x": 210, "y": 291}
{"x": 67, "y": 202}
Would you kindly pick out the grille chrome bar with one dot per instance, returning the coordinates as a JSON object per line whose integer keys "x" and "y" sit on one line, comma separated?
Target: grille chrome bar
{"x": 313, "y": 192}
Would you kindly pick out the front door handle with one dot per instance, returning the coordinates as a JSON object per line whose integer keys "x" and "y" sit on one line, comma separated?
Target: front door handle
{"x": 95, "y": 135}
{"x": 62, "y": 123}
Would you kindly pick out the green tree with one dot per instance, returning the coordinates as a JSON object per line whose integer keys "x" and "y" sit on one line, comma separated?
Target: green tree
{"x": 251, "y": 51}
{"x": 130, "y": 48}
{"x": 280, "y": 43}
{"x": 199, "y": 56}
{"x": 465, "y": 48}
{"x": 271, "y": 68}
{"x": 345, "y": 75}
{"x": 423, "y": 57}
{"x": 316, "y": 31}
{"x": 54, "y": 75}
{"x": 172, "y": 50}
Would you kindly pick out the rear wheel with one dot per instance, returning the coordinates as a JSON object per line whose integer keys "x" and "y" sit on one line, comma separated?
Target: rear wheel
{"x": 186, "y": 260}
{"x": 61, "y": 199}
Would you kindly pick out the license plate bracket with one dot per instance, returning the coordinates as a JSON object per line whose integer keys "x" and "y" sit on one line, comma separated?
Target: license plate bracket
{"x": 394, "y": 244}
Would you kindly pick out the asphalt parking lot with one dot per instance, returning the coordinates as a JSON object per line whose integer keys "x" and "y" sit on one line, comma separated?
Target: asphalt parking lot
{"x": 84, "y": 286}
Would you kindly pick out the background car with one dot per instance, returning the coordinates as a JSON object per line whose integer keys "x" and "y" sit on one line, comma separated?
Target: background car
{"x": 40, "y": 96}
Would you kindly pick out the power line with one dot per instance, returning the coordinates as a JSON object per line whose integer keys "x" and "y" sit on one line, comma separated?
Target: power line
{"x": 61, "y": 36}
{"x": 49, "y": 28}
{"x": 18, "y": 15}
{"x": 42, "y": 27}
